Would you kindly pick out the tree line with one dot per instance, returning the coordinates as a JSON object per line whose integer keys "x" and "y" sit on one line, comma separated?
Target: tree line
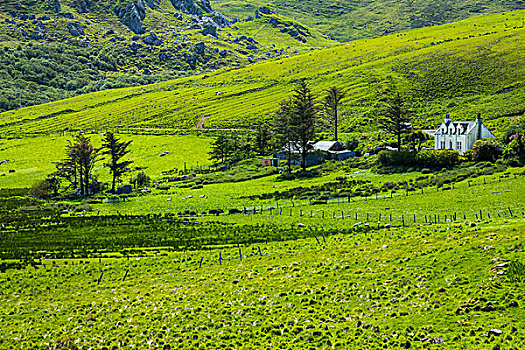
{"x": 76, "y": 169}
{"x": 299, "y": 118}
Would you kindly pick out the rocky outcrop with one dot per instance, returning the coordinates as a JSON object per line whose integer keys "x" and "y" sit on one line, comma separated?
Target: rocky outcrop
{"x": 75, "y": 29}
{"x": 199, "y": 48}
{"x": 82, "y": 6}
{"x": 265, "y": 11}
{"x": 189, "y": 7}
{"x": 152, "y": 40}
{"x": 132, "y": 15}
{"x": 56, "y": 6}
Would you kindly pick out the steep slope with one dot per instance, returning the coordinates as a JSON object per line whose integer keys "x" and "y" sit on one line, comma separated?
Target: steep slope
{"x": 57, "y": 49}
{"x": 347, "y": 20}
{"x": 463, "y": 68}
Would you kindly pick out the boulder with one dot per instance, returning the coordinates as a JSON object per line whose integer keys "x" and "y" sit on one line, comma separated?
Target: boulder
{"x": 132, "y": 15}
{"x": 44, "y": 18}
{"x": 152, "y": 39}
{"x": 223, "y": 53}
{"x": 68, "y": 15}
{"x": 75, "y": 29}
{"x": 209, "y": 28}
{"x": 251, "y": 47}
{"x": 221, "y": 20}
{"x": 56, "y": 6}
{"x": 135, "y": 46}
{"x": 190, "y": 8}
{"x": 199, "y": 48}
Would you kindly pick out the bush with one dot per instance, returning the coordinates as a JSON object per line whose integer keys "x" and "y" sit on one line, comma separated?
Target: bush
{"x": 142, "y": 179}
{"x": 488, "y": 150}
{"x": 46, "y": 188}
{"x": 426, "y": 159}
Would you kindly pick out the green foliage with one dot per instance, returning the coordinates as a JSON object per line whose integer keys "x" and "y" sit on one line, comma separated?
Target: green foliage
{"x": 487, "y": 150}
{"x": 516, "y": 271}
{"x": 434, "y": 159}
{"x": 142, "y": 179}
{"x": 116, "y": 149}
{"x": 46, "y": 189}
{"x": 349, "y": 20}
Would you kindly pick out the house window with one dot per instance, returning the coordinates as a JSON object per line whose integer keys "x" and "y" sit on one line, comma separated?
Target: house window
{"x": 458, "y": 145}
{"x": 450, "y": 144}
{"x": 442, "y": 145}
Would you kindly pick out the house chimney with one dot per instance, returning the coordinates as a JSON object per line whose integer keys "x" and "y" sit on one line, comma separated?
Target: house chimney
{"x": 447, "y": 119}
{"x": 479, "y": 122}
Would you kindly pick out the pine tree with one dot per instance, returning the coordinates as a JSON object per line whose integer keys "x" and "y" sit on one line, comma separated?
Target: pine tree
{"x": 395, "y": 117}
{"x": 116, "y": 150}
{"x": 303, "y": 119}
{"x": 331, "y": 105}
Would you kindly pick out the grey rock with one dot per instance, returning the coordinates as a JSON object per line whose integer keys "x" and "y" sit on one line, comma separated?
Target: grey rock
{"x": 68, "y": 15}
{"x": 209, "y": 28}
{"x": 199, "y": 48}
{"x": 135, "y": 38}
{"x": 56, "y": 6}
{"x": 135, "y": 46}
{"x": 165, "y": 56}
{"x": 223, "y": 53}
{"x": 221, "y": 20}
{"x": 31, "y": 17}
{"x": 132, "y": 15}
{"x": 152, "y": 39}
{"x": 495, "y": 332}
{"x": 251, "y": 47}
{"x": 189, "y": 7}
{"x": 75, "y": 29}
{"x": 44, "y": 18}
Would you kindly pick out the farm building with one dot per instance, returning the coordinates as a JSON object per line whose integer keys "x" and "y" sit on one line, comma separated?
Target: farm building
{"x": 459, "y": 135}
{"x": 321, "y": 151}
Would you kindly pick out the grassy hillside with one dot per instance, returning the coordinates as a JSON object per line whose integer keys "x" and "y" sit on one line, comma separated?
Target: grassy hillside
{"x": 347, "y": 20}
{"x": 44, "y": 58}
{"x": 463, "y": 68}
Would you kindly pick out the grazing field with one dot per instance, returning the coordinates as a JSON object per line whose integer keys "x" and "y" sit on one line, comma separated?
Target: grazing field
{"x": 461, "y": 69}
{"x": 32, "y": 158}
{"x": 388, "y": 288}
{"x": 408, "y": 260}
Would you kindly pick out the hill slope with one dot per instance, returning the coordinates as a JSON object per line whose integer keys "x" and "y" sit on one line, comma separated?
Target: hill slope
{"x": 77, "y": 47}
{"x": 355, "y": 19}
{"x": 463, "y": 68}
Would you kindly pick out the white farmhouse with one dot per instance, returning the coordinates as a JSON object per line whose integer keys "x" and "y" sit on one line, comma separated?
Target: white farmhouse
{"x": 460, "y": 135}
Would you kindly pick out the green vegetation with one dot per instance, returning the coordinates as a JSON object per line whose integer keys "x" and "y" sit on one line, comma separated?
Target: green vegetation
{"x": 442, "y": 68}
{"x": 336, "y": 274}
{"x": 349, "y": 20}
{"x": 32, "y": 159}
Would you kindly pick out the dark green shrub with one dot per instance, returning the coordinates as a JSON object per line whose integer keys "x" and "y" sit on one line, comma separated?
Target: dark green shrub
{"x": 488, "y": 150}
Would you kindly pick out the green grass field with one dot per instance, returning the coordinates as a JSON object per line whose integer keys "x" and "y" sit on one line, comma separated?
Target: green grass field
{"x": 478, "y": 60}
{"x": 32, "y": 158}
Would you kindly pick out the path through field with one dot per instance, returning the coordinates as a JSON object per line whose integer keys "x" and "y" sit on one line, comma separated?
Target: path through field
{"x": 201, "y": 121}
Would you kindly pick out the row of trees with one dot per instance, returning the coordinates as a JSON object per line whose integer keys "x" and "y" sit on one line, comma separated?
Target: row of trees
{"x": 297, "y": 120}
{"x": 76, "y": 168}
{"x": 293, "y": 127}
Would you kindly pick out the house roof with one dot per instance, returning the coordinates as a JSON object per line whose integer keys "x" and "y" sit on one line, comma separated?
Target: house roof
{"x": 328, "y": 146}
{"x": 321, "y": 146}
{"x": 463, "y": 127}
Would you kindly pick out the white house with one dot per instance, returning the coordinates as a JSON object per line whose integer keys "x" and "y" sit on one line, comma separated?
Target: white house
{"x": 460, "y": 135}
